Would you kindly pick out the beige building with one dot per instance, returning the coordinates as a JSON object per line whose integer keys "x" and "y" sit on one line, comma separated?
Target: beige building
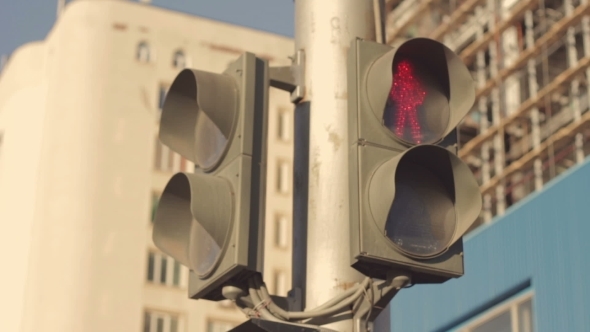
{"x": 81, "y": 170}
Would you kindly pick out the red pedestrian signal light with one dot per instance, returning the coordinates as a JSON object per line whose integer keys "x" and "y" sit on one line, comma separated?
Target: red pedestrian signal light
{"x": 417, "y": 109}
{"x": 407, "y": 95}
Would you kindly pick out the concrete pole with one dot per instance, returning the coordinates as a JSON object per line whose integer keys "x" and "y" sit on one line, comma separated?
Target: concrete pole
{"x": 321, "y": 266}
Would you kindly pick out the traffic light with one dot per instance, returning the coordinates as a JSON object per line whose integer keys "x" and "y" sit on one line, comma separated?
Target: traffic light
{"x": 212, "y": 220}
{"x": 411, "y": 198}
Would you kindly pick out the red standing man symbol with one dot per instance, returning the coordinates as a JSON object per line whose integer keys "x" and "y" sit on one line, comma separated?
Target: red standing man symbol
{"x": 408, "y": 94}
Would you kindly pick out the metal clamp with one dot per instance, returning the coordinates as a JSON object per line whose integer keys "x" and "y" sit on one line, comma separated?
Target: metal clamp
{"x": 290, "y": 78}
{"x": 381, "y": 294}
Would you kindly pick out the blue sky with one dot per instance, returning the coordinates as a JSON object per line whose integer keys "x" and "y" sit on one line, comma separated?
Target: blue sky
{"x": 22, "y": 21}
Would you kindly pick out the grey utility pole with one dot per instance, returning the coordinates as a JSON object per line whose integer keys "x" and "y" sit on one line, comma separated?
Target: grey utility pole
{"x": 321, "y": 254}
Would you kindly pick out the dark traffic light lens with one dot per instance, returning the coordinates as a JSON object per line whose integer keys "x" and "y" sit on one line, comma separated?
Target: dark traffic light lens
{"x": 421, "y": 221}
{"x": 417, "y": 110}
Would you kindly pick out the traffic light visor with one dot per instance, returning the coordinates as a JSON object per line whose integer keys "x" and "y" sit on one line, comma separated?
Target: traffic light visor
{"x": 420, "y": 91}
{"x": 198, "y": 116}
{"x": 424, "y": 200}
{"x": 193, "y": 220}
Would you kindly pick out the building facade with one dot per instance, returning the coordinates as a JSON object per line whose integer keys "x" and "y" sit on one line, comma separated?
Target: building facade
{"x": 524, "y": 272}
{"x": 81, "y": 170}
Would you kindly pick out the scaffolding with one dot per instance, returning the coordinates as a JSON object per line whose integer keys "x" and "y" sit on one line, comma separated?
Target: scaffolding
{"x": 530, "y": 61}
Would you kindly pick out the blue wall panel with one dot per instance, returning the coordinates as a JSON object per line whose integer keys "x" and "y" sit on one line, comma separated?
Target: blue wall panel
{"x": 542, "y": 242}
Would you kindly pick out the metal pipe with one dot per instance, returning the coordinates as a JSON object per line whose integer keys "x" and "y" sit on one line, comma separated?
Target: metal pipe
{"x": 324, "y": 30}
{"x": 533, "y": 89}
{"x": 580, "y": 155}
{"x": 498, "y": 141}
{"x": 586, "y": 45}
{"x": 483, "y": 119}
{"x": 511, "y": 92}
{"x": 572, "y": 54}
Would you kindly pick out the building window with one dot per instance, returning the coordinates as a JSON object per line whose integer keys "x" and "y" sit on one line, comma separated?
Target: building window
{"x": 281, "y": 231}
{"x": 154, "y": 208}
{"x": 168, "y": 161}
{"x": 156, "y": 321}
{"x": 158, "y": 153}
{"x": 179, "y": 60}
{"x": 151, "y": 266}
{"x": 280, "y": 283}
{"x": 515, "y": 315}
{"x": 219, "y": 326}
{"x": 164, "y": 270}
{"x": 162, "y": 96}
{"x": 283, "y": 179}
{"x": 176, "y": 271}
{"x": 143, "y": 52}
{"x": 284, "y": 125}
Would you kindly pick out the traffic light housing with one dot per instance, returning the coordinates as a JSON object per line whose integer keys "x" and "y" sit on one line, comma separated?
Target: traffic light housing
{"x": 212, "y": 220}
{"x": 411, "y": 198}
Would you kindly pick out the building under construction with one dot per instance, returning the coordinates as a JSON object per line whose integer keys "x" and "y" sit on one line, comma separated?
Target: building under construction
{"x": 530, "y": 63}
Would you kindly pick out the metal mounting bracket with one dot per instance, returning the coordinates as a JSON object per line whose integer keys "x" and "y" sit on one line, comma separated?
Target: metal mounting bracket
{"x": 290, "y": 78}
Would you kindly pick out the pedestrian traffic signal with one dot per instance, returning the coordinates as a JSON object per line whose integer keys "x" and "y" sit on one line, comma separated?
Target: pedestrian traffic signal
{"x": 212, "y": 220}
{"x": 411, "y": 198}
